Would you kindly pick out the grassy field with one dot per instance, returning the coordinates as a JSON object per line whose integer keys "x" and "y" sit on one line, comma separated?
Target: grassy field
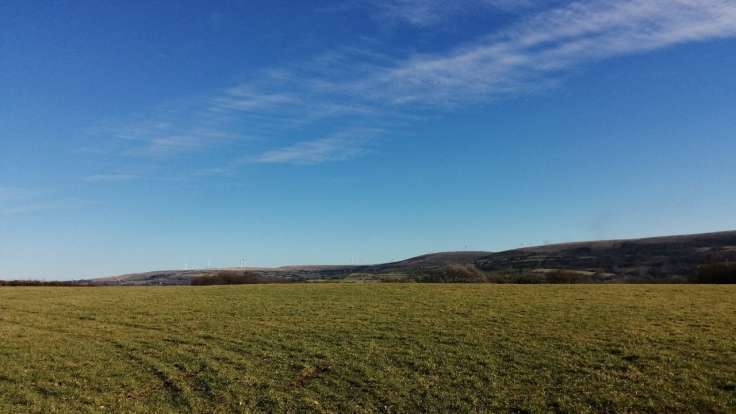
{"x": 369, "y": 348}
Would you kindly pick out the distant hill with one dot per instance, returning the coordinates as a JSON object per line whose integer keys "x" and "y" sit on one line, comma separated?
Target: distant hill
{"x": 427, "y": 261}
{"x": 656, "y": 259}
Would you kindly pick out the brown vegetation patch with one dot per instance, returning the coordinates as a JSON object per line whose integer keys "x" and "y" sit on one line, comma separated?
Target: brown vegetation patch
{"x": 308, "y": 374}
{"x": 230, "y": 277}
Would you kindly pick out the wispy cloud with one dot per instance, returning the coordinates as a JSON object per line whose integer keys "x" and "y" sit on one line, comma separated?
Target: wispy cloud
{"x": 106, "y": 178}
{"x": 536, "y": 51}
{"x": 344, "y": 90}
{"x": 16, "y": 194}
{"x": 341, "y": 147}
{"x": 424, "y": 13}
{"x": 430, "y": 12}
{"x": 245, "y": 98}
{"x": 171, "y": 133}
{"x": 15, "y": 200}
{"x": 43, "y": 206}
{"x": 530, "y": 55}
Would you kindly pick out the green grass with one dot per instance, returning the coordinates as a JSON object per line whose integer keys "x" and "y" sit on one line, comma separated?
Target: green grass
{"x": 369, "y": 348}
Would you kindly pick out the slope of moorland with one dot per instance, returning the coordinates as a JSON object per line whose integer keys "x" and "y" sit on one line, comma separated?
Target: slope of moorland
{"x": 648, "y": 259}
{"x": 656, "y": 259}
{"x": 401, "y": 269}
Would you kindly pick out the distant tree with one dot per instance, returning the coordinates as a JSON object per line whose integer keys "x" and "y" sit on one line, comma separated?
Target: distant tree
{"x": 453, "y": 273}
{"x": 566, "y": 276}
{"x": 716, "y": 273}
{"x": 229, "y": 277}
{"x": 39, "y": 283}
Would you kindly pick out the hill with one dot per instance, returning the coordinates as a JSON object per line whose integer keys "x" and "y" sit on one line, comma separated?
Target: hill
{"x": 649, "y": 259}
{"x": 656, "y": 259}
{"x": 297, "y": 273}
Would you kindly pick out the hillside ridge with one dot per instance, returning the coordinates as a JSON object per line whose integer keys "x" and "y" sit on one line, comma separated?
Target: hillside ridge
{"x": 656, "y": 259}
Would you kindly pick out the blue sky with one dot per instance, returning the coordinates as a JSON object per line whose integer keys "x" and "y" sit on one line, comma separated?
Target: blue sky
{"x": 142, "y": 135}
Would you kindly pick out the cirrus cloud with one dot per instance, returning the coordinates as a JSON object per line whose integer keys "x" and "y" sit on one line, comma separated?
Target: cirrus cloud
{"x": 351, "y": 88}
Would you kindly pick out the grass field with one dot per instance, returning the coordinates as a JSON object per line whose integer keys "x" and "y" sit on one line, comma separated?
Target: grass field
{"x": 369, "y": 348}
